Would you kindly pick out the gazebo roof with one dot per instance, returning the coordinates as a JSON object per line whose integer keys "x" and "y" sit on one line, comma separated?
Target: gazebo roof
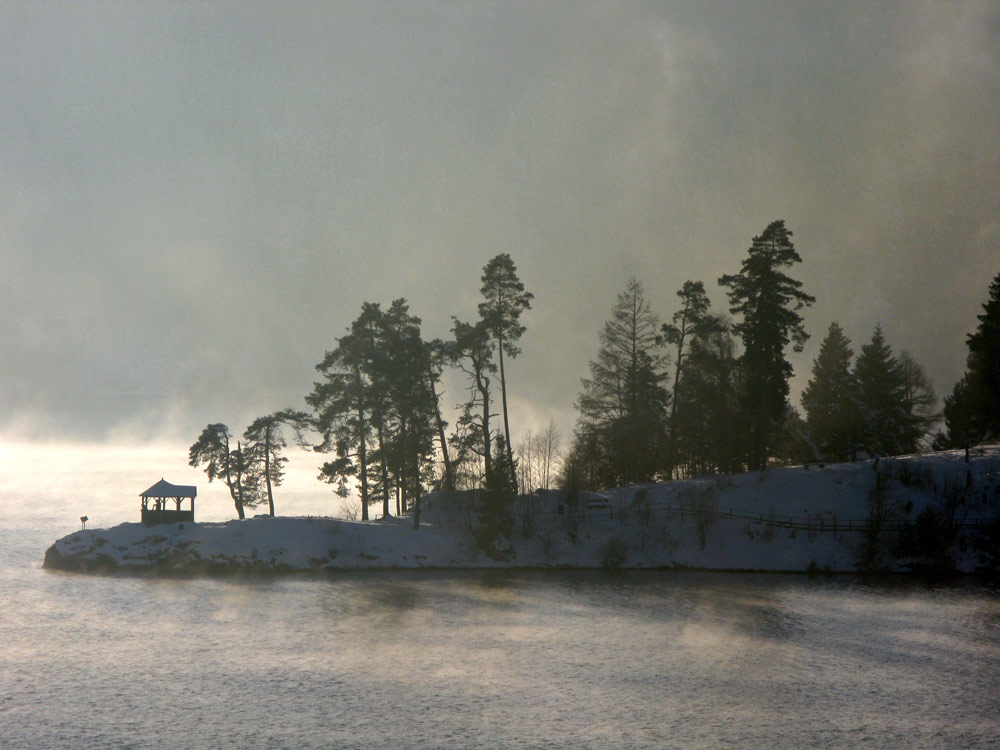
{"x": 163, "y": 488}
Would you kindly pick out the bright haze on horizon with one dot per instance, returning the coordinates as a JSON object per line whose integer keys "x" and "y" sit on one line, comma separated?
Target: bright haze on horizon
{"x": 195, "y": 199}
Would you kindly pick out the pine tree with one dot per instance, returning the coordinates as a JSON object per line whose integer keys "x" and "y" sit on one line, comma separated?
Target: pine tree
{"x": 436, "y": 355}
{"x": 830, "y": 399}
{"x": 885, "y": 425}
{"x": 472, "y": 353}
{"x": 411, "y": 405}
{"x": 213, "y": 450}
{"x": 504, "y": 301}
{"x": 378, "y": 384}
{"x": 624, "y": 401}
{"x": 264, "y": 443}
{"x": 342, "y": 415}
{"x": 768, "y": 302}
{"x": 373, "y": 358}
{"x": 709, "y": 420}
{"x": 692, "y": 319}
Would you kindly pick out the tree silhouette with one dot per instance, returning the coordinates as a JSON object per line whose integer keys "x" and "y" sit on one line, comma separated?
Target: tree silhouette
{"x": 830, "y": 399}
{"x": 692, "y": 319}
{"x": 972, "y": 410}
{"x": 767, "y": 301}
{"x": 500, "y": 311}
{"x": 212, "y": 451}
{"x": 885, "y": 426}
{"x": 411, "y": 403}
{"x": 264, "y": 443}
{"x": 919, "y": 400}
{"x": 472, "y": 353}
{"x": 341, "y": 410}
{"x": 437, "y": 354}
{"x": 709, "y": 423}
{"x": 623, "y": 403}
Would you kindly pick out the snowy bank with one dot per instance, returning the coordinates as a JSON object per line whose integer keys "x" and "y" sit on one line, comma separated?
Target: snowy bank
{"x": 914, "y": 512}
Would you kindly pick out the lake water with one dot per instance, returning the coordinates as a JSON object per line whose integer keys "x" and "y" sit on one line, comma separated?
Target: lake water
{"x": 463, "y": 659}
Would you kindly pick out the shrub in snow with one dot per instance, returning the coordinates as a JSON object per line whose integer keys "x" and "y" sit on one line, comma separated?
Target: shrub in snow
{"x": 614, "y": 552}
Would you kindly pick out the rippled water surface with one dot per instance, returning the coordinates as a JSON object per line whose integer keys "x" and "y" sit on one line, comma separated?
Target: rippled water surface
{"x": 455, "y": 660}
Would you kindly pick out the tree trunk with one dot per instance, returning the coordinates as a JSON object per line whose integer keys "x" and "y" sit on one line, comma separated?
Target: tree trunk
{"x": 267, "y": 469}
{"x": 418, "y": 489}
{"x": 362, "y": 447}
{"x": 672, "y": 444}
{"x": 503, "y": 398}
{"x": 385, "y": 468}
{"x": 229, "y": 483}
{"x": 239, "y": 482}
{"x": 449, "y": 476}
{"x": 485, "y": 393}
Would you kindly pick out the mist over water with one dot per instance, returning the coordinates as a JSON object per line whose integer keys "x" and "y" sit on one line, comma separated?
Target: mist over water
{"x": 463, "y": 659}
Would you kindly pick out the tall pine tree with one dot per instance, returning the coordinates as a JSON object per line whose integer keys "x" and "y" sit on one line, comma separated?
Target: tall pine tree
{"x": 767, "y": 301}
{"x": 412, "y": 407}
{"x": 472, "y": 353}
{"x": 504, "y": 299}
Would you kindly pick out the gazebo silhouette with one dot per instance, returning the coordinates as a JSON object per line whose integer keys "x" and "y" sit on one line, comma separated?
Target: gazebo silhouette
{"x": 154, "y": 503}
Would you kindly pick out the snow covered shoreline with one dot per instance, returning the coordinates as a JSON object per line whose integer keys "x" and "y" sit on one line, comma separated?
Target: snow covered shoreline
{"x": 840, "y": 518}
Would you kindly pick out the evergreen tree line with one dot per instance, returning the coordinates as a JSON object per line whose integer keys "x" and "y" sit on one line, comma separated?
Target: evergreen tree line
{"x": 706, "y": 392}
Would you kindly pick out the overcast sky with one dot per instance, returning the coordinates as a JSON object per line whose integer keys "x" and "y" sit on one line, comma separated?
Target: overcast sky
{"x": 195, "y": 198}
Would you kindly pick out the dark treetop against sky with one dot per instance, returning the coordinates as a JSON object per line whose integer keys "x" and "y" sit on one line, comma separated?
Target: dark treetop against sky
{"x": 195, "y": 198}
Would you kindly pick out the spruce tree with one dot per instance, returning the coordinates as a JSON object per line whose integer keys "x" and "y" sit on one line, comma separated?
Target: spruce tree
{"x": 972, "y": 411}
{"x": 496, "y": 500}
{"x": 984, "y": 349}
{"x": 624, "y": 401}
{"x": 767, "y": 301}
{"x": 963, "y": 413}
{"x": 885, "y": 424}
{"x": 919, "y": 401}
{"x": 830, "y": 399}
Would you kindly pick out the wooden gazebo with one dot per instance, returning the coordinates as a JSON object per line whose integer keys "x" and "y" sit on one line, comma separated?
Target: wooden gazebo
{"x": 154, "y": 503}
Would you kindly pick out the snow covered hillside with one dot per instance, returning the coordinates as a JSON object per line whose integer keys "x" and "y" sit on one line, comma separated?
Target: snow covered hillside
{"x": 915, "y": 512}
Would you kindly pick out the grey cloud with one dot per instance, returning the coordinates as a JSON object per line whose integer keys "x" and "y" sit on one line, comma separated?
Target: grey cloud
{"x": 195, "y": 199}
